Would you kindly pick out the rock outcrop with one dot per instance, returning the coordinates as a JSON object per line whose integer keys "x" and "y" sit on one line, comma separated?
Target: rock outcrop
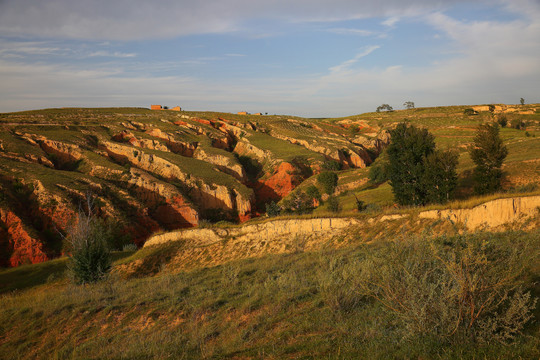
{"x": 17, "y": 247}
{"x": 266, "y": 231}
{"x": 490, "y": 214}
{"x": 224, "y": 163}
{"x": 207, "y": 196}
{"x": 168, "y": 205}
{"x": 286, "y": 178}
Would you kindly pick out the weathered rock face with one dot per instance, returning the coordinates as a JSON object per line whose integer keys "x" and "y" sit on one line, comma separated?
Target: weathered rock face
{"x": 491, "y": 214}
{"x": 55, "y": 214}
{"x": 178, "y": 147}
{"x": 207, "y": 196}
{"x": 17, "y": 247}
{"x": 266, "y": 231}
{"x": 171, "y": 209}
{"x": 148, "y": 162}
{"x": 126, "y": 136}
{"x": 223, "y": 163}
{"x": 376, "y": 145}
{"x": 64, "y": 153}
{"x": 285, "y": 179}
{"x": 245, "y": 148}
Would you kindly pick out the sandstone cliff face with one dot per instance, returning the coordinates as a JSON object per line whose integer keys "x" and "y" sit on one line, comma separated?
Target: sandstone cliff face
{"x": 183, "y": 148}
{"x": 243, "y": 147}
{"x": 286, "y": 178}
{"x": 267, "y": 231}
{"x": 491, "y": 214}
{"x": 64, "y": 153}
{"x": 17, "y": 247}
{"x": 171, "y": 209}
{"x": 223, "y": 163}
{"x": 358, "y": 158}
{"x": 207, "y": 196}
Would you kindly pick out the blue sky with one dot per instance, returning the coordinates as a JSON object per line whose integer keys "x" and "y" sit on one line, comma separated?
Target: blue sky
{"x": 301, "y": 57}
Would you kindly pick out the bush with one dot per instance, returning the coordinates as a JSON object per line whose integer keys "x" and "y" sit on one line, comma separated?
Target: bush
{"x": 470, "y": 111}
{"x": 87, "y": 241}
{"x": 328, "y": 180}
{"x": 272, "y": 209}
{"x": 313, "y": 192}
{"x": 129, "y": 247}
{"x": 331, "y": 165}
{"x": 298, "y": 202}
{"x": 360, "y": 205}
{"x": 378, "y": 171}
{"x": 502, "y": 120}
{"x": 518, "y": 124}
{"x": 333, "y": 204}
{"x": 453, "y": 289}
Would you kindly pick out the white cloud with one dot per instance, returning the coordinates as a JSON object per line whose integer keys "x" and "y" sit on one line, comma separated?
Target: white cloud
{"x": 345, "y": 66}
{"x": 143, "y": 19}
{"x": 349, "y": 31}
{"x": 115, "y": 54}
{"x": 391, "y": 22}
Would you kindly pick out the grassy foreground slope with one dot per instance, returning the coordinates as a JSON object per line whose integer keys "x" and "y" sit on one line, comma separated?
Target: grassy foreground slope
{"x": 397, "y": 298}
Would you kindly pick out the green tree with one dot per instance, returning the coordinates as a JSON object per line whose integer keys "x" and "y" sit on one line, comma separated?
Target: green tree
{"x": 408, "y": 104}
{"x": 385, "y": 107}
{"x": 328, "y": 180}
{"x": 440, "y": 176}
{"x": 406, "y": 153}
{"x": 522, "y": 101}
{"x": 488, "y": 153}
{"x": 378, "y": 170}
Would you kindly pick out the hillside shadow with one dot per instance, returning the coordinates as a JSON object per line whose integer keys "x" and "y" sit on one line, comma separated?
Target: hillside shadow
{"x": 28, "y": 276}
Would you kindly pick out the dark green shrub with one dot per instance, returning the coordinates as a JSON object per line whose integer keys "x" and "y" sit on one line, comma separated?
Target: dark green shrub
{"x": 502, "y": 120}
{"x": 272, "y": 209}
{"x": 90, "y": 258}
{"x": 378, "y": 171}
{"x": 328, "y": 180}
{"x": 518, "y": 124}
{"x": 313, "y": 192}
{"x": 470, "y": 111}
{"x": 333, "y": 204}
{"x": 252, "y": 166}
{"x": 298, "y": 202}
{"x": 360, "y": 205}
{"x": 331, "y": 165}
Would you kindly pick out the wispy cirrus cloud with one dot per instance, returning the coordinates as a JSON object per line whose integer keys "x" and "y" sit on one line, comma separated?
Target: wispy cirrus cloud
{"x": 114, "y": 54}
{"x": 351, "y": 31}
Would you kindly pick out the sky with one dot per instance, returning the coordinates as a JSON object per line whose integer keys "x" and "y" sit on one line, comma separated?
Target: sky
{"x": 313, "y": 58}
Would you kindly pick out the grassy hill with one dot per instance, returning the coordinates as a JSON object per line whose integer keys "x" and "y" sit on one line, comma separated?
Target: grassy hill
{"x": 406, "y": 288}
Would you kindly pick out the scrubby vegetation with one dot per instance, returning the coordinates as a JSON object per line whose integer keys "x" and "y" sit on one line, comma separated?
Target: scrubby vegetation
{"x": 461, "y": 296}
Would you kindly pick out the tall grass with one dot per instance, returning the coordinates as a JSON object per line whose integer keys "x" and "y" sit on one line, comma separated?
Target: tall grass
{"x": 397, "y": 299}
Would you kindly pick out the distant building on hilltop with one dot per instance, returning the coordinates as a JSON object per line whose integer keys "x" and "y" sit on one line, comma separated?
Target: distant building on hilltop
{"x": 159, "y": 107}
{"x": 257, "y": 114}
{"x": 242, "y": 113}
